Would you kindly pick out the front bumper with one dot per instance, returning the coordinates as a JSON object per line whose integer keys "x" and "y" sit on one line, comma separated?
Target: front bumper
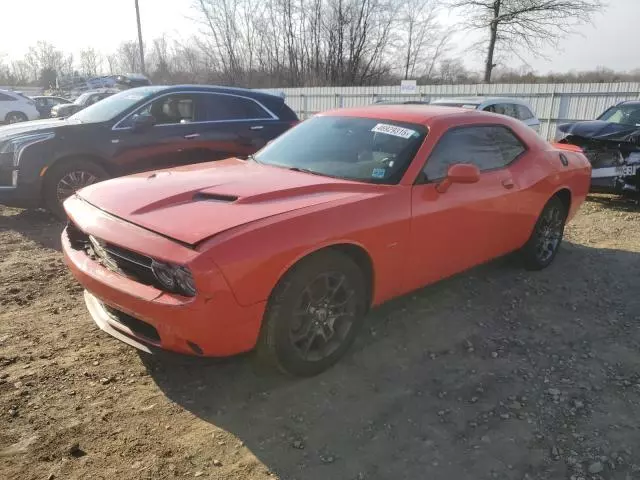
{"x": 18, "y": 193}
{"x": 625, "y": 178}
{"x": 210, "y": 324}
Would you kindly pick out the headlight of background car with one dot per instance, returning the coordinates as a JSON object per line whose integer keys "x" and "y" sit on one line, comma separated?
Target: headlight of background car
{"x": 174, "y": 278}
{"x": 11, "y": 150}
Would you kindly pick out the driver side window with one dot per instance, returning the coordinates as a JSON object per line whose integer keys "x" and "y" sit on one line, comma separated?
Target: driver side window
{"x": 488, "y": 147}
{"x": 169, "y": 110}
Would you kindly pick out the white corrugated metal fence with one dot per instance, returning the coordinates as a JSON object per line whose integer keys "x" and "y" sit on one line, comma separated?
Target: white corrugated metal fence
{"x": 552, "y": 103}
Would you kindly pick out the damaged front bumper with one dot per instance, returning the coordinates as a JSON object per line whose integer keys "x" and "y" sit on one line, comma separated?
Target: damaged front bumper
{"x": 615, "y": 166}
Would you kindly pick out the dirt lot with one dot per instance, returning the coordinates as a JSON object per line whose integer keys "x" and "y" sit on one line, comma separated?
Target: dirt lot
{"x": 496, "y": 373}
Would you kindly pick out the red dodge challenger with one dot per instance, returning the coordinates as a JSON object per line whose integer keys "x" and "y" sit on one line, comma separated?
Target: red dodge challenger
{"x": 286, "y": 251}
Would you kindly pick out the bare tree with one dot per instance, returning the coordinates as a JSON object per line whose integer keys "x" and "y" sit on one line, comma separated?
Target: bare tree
{"x": 452, "y": 71}
{"x": 420, "y": 40}
{"x": 19, "y": 72}
{"x": 516, "y": 25}
{"x": 112, "y": 63}
{"x": 128, "y": 56}
{"x": 90, "y": 62}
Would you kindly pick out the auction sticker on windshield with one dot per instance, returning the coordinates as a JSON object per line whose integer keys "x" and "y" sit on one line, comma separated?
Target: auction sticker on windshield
{"x": 394, "y": 130}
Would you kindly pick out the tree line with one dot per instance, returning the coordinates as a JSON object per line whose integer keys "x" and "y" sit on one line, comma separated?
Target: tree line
{"x": 291, "y": 43}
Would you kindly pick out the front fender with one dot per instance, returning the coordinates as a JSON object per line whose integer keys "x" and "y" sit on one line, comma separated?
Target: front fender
{"x": 253, "y": 258}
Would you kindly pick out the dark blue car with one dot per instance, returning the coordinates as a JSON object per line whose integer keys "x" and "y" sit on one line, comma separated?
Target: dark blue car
{"x": 144, "y": 128}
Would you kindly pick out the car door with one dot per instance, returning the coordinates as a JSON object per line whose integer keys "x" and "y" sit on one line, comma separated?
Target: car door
{"x": 172, "y": 141}
{"x": 237, "y": 126}
{"x": 469, "y": 223}
{"x": 5, "y": 105}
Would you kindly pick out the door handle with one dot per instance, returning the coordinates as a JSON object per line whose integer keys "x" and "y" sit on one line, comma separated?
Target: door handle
{"x": 507, "y": 183}
{"x": 192, "y": 135}
{"x": 256, "y": 127}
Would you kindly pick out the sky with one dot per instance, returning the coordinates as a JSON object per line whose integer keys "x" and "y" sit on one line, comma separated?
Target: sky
{"x": 612, "y": 40}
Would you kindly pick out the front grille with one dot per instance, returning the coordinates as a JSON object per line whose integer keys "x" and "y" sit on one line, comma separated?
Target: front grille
{"x": 117, "y": 259}
{"x": 140, "y": 328}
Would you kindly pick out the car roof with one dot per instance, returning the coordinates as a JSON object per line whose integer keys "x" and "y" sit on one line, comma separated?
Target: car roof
{"x": 245, "y": 92}
{"x": 419, "y": 114}
{"x": 401, "y": 102}
{"x": 630, "y": 102}
{"x": 479, "y": 100}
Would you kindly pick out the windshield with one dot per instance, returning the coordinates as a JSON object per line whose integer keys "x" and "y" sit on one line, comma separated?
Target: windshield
{"x": 352, "y": 148}
{"x": 114, "y": 105}
{"x": 81, "y": 99}
{"x": 622, "y": 114}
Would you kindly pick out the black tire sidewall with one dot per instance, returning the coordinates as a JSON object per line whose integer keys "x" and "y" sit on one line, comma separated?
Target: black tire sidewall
{"x": 22, "y": 116}
{"x": 57, "y": 172}
{"x": 283, "y": 302}
{"x": 529, "y": 252}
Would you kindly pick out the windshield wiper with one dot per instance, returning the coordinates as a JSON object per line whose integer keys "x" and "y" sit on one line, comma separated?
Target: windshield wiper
{"x": 313, "y": 172}
{"x": 306, "y": 170}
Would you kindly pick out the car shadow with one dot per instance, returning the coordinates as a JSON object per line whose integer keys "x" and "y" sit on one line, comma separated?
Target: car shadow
{"x": 37, "y": 225}
{"x": 619, "y": 203}
{"x": 424, "y": 391}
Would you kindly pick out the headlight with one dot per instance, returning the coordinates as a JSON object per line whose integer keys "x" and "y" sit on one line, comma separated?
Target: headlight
{"x": 174, "y": 278}
{"x": 11, "y": 150}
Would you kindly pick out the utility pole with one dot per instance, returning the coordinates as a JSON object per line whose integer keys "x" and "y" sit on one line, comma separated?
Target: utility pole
{"x": 140, "y": 38}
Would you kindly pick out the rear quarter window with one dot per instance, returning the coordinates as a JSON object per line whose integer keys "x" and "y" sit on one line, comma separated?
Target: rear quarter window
{"x": 230, "y": 107}
{"x": 524, "y": 113}
{"x": 489, "y": 147}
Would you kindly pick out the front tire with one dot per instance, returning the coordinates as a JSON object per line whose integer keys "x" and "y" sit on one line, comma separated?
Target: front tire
{"x": 313, "y": 315}
{"x": 15, "y": 117}
{"x": 545, "y": 240}
{"x": 64, "y": 179}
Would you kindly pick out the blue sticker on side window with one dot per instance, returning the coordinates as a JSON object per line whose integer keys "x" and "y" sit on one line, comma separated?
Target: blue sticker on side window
{"x": 378, "y": 172}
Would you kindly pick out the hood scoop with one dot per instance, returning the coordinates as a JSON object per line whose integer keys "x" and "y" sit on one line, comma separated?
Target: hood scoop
{"x": 214, "y": 197}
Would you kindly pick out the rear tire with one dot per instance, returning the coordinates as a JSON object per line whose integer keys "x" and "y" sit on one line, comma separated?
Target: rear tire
{"x": 545, "y": 240}
{"x": 313, "y": 315}
{"x": 64, "y": 179}
{"x": 15, "y": 117}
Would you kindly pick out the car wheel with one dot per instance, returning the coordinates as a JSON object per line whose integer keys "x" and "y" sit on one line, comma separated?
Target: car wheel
{"x": 64, "y": 179}
{"x": 313, "y": 315}
{"x": 545, "y": 240}
{"x": 15, "y": 117}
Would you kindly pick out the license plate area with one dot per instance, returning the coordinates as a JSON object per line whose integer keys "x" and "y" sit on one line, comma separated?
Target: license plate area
{"x": 627, "y": 170}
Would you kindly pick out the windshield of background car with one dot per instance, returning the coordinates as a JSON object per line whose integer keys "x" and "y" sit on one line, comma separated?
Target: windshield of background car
{"x": 353, "y": 148}
{"x": 81, "y": 99}
{"x": 114, "y": 105}
{"x": 622, "y": 114}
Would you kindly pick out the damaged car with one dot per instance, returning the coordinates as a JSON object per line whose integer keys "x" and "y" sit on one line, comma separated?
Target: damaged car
{"x": 612, "y": 145}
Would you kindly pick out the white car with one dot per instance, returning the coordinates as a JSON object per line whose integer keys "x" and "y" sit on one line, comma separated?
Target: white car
{"x": 15, "y": 107}
{"x": 511, "y": 107}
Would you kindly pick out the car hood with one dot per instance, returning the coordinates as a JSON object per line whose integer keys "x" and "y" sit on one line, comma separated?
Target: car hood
{"x": 599, "y": 130}
{"x": 193, "y": 203}
{"x": 15, "y": 129}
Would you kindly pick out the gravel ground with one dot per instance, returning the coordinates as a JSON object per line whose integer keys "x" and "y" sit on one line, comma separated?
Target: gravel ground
{"x": 494, "y": 374}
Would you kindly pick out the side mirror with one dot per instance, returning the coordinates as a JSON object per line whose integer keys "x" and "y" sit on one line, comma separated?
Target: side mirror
{"x": 142, "y": 122}
{"x": 459, "y": 173}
